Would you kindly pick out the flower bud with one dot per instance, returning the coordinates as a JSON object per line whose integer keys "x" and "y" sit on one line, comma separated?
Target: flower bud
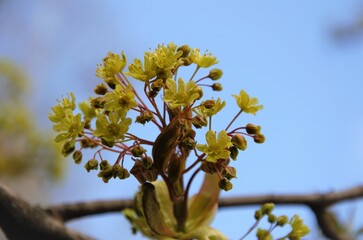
{"x": 209, "y": 104}
{"x": 152, "y": 94}
{"x": 239, "y": 141}
{"x": 229, "y": 172}
{"x": 185, "y": 49}
{"x": 98, "y": 102}
{"x": 144, "y": 117}
{"x": 271, "y": 218}
{"x": 138, "y": 151}
{"x": 92, "y": 164}
{"x": 225, "y": 184}
{"x": 198, "y": 90}
{"x": 252, "y": 129}
{"x": 199, "y": 121}
{"x": 101, "y": 89}
{"x": 267, "y": 208}
{"x": 67, "y": 149}
{"x": 186, "y": 61}
{"x": 120, "y": 172}
{"x": 87, "y": 143}
{"x": 259, "y": 138}
{"x": 215, "y": 74}
{"x": 147, "y": 162}
{"x": 233, "y": 152}
{"x": 217, "y": 87}
{"x": 157, "y": 85}
{"x": 282, "y": 220}
{"x": 77, "y": 157}
{"x": 258, "y": 214}
{"x": 106, "y": 173}
{"x": 104, "y": 164}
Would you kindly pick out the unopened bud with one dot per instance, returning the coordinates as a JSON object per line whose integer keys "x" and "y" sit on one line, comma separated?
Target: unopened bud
{"x": 157, "y": 85}
{"x": 77, "y": 157}
{"x": 186, "y": 61}
{"x": 147, "y": 162}
{"x": 229, "y": 172}
{"x": 138, "y": 151}
{"x": 185, "y": 49}
{"x": 215, "y": 74}
{"x": 198, "y": 90}
{"x": 209, "y": 104}
{"x": 271, "y": 218}
{"x": 259, "y": 138}
{"x": 225, "y": 184}
{"x": 120, "y": 172}
{"x": 239, "y": 141}
{"x": 267, "y": 208}
{"x": 282, "y": 220}
{"x": 199, "y": 121}
{"x": 67, "y": 149}
{"x": 252, "y": 129}
{"x": 233, "y": 152}
{"x": 217, "y": 87}
{"x": 101, "y": 89}
{"x": 104, "y": 164}
{"x": 144, "y": 117}
{"x": 258, "y": 214}
{"x": 92, "y": 164}
{"x": 152, "y": 94}
{"x": 106, "y": 174}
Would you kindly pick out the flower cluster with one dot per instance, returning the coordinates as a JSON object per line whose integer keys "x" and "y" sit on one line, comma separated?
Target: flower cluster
{"x": 104, "y": 125}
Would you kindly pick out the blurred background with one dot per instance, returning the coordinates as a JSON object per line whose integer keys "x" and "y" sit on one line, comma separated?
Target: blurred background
{"x": 302, "y": 59}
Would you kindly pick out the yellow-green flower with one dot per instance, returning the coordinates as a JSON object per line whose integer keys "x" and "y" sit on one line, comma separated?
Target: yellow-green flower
{"x": 87, "y": 110}
{"x": 111, "y": 128}
{"x": 143, "y": 73}
{"x": 216, "y": 148}
{"x": 112, "y": 64}
{"x": 218, "y": 105}
{"x": 168, "y": 57}
{"x": 183, "y": 95}
{"x": 121, "y": 99}
{"x": 247, "y": 104}
{"x": 299, "y": 229}
{"x": 71, "y": 126}
{"x": 205, "y": 60}
{"x": 59, "y": 111}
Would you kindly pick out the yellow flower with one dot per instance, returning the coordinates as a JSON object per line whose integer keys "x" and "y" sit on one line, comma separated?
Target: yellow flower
{"x": 183, "y": 95}
{"x": 70, "y": 127}
{"x": 168, "y": 57}
{"x": 216, "y": 148}
{"x": 247, "y": 104}
{"x": 112, "y": 64}
{"x": 218, "y": 105}
{"x": 121, "y": 99}
{"x": 299, "y": 229}
{"x": 59, "y": 111}
{"x": 205, "y": 61}
{"x": 143, "y": 73}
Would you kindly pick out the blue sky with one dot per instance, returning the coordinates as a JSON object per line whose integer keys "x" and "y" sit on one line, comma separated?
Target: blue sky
{"x": 282, "y": 52}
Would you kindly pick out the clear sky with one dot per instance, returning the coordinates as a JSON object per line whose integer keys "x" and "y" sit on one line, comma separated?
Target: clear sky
{"x": 282, "y": 52}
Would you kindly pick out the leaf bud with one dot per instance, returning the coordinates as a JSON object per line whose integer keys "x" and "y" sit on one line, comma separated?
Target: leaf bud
{"x": 199, "y": 121}
{"x": 176, "y": 168}
{"x": 282, "y": 220}
{"x": 101, "y": 89}
{"x": 271, "y": 218}
{"x": 138, "y": 151}
{"x": 215, "y": 74}
{"x": 259, "y": 138}
{"x": 77, "y": 156}
{"x": 225, "y": 184}
{"x": 147, "y": 162}
{"x": 67, "y": 149}
{"x": 258, "y": 214}
{"x": 92, "y": 164}
{"x": 185, "y": 49}
{"x": 233, "y": 152}
{"x": 217, "y": 87}
{"x": 267, "y": 208}
{"x": 209, "y": 104}
{"x": 239, "y": 141}
{"x": 252, "y": 129}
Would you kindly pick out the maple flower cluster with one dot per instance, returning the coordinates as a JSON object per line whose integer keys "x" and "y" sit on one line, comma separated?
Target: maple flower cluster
{"x": 175, "y": 106}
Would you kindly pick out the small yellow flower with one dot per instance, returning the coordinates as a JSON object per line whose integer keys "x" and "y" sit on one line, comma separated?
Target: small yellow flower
{"x": 143, "y": 73}
{"x": 212, "y": 111}
{"x": 70, "y": 127}
{"x": 183, "y": 95}
{"x": 59, "y": 111}
{"x": 216, "y": 148}
{"x": 205, "y": 61}
{"x": 299, "y": 229}
{"x": 247, "y": 104}
{"x": 168, "y": 57}
{"x": 112, "y": 64}
{"x": 121, "y": 99}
